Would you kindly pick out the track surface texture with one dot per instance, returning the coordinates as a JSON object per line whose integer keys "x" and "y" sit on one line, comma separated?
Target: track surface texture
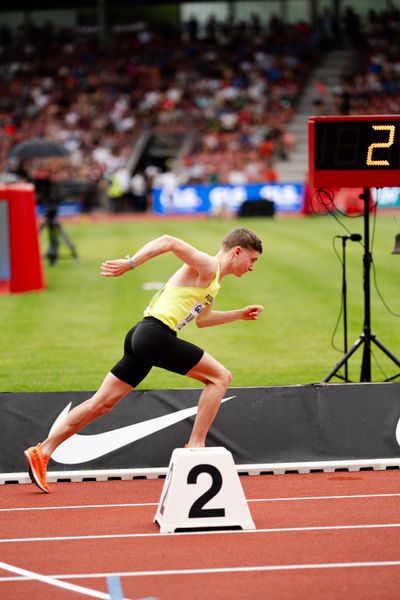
{"x": 322, "y": 535}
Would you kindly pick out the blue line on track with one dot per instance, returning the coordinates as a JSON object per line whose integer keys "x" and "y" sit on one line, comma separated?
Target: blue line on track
{"x": 115, "y": 587}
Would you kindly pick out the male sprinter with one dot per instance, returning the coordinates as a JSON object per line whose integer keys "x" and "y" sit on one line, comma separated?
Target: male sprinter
{"x": 189, "y": 294}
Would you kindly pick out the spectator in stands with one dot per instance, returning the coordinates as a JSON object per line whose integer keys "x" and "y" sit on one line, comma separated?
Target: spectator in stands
{"x": 119, "y": 190}
{"x": 139, "y": 192}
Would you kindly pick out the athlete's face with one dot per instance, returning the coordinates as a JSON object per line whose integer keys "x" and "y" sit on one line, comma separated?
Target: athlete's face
{"x": 243, "y": 260}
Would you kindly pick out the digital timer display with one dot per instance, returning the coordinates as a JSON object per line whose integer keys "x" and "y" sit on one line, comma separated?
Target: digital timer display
{"x": 354, "y": 151}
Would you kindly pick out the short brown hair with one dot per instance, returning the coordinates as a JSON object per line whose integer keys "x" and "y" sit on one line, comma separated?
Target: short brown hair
{"x": 242, "y": 237}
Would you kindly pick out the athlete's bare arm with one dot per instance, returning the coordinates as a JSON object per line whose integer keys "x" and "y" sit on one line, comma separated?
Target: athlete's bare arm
{"x": 203, "y": 264}
{"x": 209, "y": 317}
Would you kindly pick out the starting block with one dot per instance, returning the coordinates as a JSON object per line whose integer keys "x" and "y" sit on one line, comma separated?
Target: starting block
{"x": 202, "y": 490}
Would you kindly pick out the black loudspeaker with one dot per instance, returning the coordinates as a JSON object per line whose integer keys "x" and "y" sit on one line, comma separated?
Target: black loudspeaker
{"x": 257, "y": 208}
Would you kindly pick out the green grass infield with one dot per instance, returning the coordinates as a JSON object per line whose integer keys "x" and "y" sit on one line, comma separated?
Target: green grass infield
{"x": 67, "y": 337}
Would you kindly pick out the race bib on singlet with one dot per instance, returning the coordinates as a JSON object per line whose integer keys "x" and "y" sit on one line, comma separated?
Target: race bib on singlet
{"x": 196, "y": 309}
{"x": 192, "y": 314}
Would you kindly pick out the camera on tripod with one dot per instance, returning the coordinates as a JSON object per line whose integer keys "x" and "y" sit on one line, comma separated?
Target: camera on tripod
{"x": 48, "y": 198}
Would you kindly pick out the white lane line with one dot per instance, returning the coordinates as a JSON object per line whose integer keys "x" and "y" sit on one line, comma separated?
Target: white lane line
{"x": 79, "y": 506}
{"x": 108, "y": 536}
{"x": 54, "y": 581}
{"x": 385, "y": 563}
{"x": 141, "y": 504}
{"x": 258, "y": 568}
{"x": 348, "y": 497}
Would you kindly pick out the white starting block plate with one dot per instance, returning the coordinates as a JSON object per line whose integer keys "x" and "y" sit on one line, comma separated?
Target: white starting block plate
{"x": 202, "y": 490}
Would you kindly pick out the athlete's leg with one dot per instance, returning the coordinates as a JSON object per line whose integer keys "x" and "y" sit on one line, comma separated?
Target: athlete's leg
{"x": 216, "y": 379}
{"x": 111, "y": 391}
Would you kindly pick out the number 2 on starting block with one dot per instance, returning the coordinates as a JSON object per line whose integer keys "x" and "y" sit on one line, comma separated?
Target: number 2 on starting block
{"x": 202, "y": 490}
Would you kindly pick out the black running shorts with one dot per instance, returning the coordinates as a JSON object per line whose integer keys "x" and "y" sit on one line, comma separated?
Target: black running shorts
{"x": 151, "y": 343}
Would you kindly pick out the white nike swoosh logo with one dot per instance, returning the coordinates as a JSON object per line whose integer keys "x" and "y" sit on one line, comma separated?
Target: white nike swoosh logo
{"x": 398, "y": 432}
{"x": 82, "y": 448}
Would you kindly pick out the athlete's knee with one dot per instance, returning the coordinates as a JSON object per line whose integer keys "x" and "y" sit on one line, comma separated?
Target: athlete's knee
{"x": 224, "y": 377}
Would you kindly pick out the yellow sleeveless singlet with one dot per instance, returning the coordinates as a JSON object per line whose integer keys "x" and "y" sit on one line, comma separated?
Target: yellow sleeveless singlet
{"x": 176, "y": 305}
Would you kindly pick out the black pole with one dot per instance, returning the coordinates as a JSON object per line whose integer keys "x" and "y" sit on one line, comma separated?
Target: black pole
{"x": 367, "y": 260}
{"x": 344, "y": 293}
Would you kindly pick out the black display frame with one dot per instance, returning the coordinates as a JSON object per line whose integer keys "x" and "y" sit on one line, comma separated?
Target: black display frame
{"x": 354, "y": 151}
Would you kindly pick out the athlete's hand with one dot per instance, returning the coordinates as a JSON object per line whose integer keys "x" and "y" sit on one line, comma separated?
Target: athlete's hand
{"x": 252, "y": 312}
{"x": 114, "y": 268}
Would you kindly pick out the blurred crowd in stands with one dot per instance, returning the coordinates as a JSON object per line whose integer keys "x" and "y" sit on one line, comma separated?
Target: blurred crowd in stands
{"x": 371, "y": 83}
{"x": 153, "y": 108}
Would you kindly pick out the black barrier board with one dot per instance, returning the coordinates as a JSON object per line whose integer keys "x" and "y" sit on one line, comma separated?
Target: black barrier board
{"x": 258, "y": 425}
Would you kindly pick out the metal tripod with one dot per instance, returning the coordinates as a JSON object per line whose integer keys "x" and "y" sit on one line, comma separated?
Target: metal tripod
{"x": 55, "y": 233}
{"x": 366, "y": 338}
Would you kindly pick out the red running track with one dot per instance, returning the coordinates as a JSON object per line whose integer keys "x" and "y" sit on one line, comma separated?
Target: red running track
{"x": 327, "y": 535}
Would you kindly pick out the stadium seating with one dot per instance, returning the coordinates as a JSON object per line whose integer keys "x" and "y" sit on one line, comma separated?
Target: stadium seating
{"x": 213, "y": 109}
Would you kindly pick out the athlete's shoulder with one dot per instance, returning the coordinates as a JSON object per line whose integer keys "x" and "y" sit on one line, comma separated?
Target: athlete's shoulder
{"x": 208, "y": 267}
